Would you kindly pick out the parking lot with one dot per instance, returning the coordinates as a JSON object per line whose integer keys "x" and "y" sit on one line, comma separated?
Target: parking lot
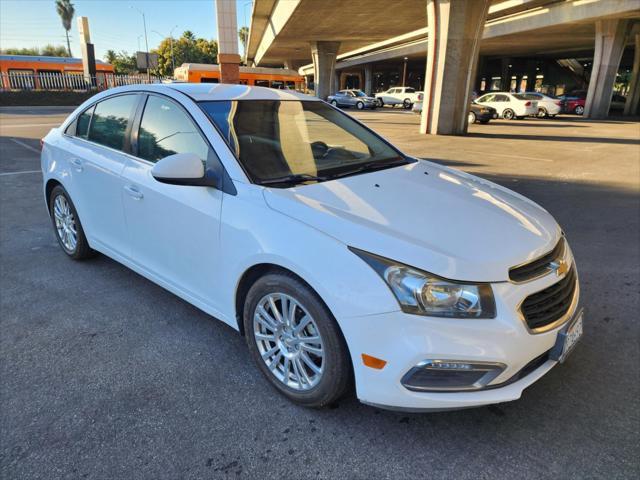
{"x": 106, "y": 375}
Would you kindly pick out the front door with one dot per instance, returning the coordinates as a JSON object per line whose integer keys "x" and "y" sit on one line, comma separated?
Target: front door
{"x": 173, "y": 229}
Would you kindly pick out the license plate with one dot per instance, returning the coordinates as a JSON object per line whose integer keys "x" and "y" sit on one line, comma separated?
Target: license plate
{"x": 569, "y": 337}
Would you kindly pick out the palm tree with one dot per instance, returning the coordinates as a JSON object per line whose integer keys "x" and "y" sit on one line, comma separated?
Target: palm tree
{"x": 66, "y": 11}
{"x": 243, "y": 33}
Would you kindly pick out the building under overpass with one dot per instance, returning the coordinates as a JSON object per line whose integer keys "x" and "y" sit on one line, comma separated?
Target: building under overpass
{"x": 519, "y": 43}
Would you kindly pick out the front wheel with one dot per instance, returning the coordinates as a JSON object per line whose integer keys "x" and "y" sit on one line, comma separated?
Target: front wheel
{"x": 359, "y": 105}
{"x": 508, "y": 114}
{"x": 407, "y": 103}
{"x": 542, "y": 112}
{"x": 67, "y": 226}
{"x": 379, "y": 102}
{"x": 334, "y": 103}
{"x": 579, "y": 110}
{"x": 471, "y": 118}
{"x": 295, "y": 341}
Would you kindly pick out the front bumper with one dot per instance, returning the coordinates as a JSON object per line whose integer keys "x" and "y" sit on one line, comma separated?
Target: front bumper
{"x": 405, "y": 340}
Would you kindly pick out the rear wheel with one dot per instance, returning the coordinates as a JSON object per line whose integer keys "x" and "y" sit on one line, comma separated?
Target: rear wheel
{"x": 542, "y": 112}
{"x": 334, "y": 103}
{"x": 508, "y": 114}
{"x": 67, "y": 226}
{"x": 379, "y": 102}
{"x": 471, "y": 118}
{"x": 295, "y": 341}
{"x": 406, "y": 103}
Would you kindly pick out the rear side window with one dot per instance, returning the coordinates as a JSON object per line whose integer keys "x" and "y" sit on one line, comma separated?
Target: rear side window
{"x": 166, "y": 129}
{"x": 82, "y": 124}
{"x": 110, "y": 120}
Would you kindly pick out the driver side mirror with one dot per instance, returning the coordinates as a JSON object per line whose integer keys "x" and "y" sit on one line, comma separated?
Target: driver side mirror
{"x": 182, "y": 169}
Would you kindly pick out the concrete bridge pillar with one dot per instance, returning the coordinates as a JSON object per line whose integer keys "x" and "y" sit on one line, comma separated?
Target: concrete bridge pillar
{"x": 609, "y": 46}
{"x": 455, "y": 31}
{"x": 324, "y": 64}
{"x": 633, "y": 97}
{"x": 228, "y": 56}
{"x": 368, "y": 79}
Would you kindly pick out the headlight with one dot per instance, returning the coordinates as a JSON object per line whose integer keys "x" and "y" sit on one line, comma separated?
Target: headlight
{"x": 423, "y": 293}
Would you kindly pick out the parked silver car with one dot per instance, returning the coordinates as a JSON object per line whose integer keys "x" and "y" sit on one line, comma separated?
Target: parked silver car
{"x": 352, "y": 98}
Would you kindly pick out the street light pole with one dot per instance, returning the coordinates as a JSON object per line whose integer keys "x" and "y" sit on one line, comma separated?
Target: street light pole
{"x": 404, "y": 72}
{"x": 146, "y": 41}
{"x": 173, "y": 62}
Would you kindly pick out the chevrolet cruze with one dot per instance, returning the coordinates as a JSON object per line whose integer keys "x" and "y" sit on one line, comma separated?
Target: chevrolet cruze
{"x": 340, "y": 259}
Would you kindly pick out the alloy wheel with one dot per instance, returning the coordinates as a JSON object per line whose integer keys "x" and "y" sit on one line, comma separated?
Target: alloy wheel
{"x": 471, "y": 118}
{"x": 289, "y": 341}
{"x": 65, "y": 223}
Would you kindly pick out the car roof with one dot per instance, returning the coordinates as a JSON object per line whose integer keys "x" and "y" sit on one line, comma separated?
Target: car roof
{"x": 220, "y": 91}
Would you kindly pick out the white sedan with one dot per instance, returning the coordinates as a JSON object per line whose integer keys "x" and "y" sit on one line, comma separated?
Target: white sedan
{"x": 509, "y": 105}
{"x": 405, "y": 96}
{"x": 547, "y": 106}
{"x": 329, "y": 249}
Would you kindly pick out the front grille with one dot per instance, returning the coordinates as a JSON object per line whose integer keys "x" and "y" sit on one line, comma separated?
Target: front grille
{"x": 539, "y": 267}
{"x": 551, "y": 304}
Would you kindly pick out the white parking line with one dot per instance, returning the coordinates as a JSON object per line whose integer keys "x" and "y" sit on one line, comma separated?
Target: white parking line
{"x": 21, "y": 125}
{"x": 25, "y": 145}
{"x": 18, "y": 173}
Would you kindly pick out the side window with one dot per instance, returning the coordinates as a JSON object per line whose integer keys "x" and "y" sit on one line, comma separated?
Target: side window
{"x": 165, "y": 129}
{"x": 110, "y": 120}
{"x": 82, "y": 123}
{"x": 501, "y": 98}
{"x": 486, "y": 98}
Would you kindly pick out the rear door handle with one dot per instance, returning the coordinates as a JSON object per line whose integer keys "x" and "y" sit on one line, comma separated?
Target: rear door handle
{"x": 77, "y": 164}
{"x": 134, "y": 192}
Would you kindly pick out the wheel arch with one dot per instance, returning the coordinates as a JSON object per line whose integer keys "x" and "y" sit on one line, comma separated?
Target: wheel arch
{"x": 49, "y": 186}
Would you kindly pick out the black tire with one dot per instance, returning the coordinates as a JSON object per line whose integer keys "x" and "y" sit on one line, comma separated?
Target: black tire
{"x": 471, "y": 118}
{"x": 508, "y": 114}
{"x": 542, "y": 112}
{"x": 334, "y": 103}
{"x": 380, "y": 102}
{"x": 484, "y": 122}
{"x": 579, "y": 110}
{"x": 360, "y": 105}
{"x": 336, "y": 377}
{"x": 82, "y": 250}
{"x": 406, "y": 103}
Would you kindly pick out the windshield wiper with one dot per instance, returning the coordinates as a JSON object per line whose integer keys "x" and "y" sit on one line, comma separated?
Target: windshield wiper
{"x": 294, "y": 178}
{"x": 372, "y": 166}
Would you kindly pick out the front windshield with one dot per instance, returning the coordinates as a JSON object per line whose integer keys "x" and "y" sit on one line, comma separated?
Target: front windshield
{"x": 280, "y": 143}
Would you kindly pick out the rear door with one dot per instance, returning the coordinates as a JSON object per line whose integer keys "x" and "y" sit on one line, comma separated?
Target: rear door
{"x": 173, "y": 229}
{"x": 97, "y": 159}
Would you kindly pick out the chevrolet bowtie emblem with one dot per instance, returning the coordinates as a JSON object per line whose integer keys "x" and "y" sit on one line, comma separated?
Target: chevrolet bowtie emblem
{"x": 561, "y": 267}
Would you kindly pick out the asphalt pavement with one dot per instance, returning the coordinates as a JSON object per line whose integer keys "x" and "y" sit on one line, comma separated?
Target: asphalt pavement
{"x": 104, "y": 375}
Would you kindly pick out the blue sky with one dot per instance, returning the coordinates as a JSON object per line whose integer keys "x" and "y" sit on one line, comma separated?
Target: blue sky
{"x": 113, "y": 24}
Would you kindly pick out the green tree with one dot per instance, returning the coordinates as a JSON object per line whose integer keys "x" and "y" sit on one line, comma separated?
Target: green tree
{"x": 243, "y": 34}
{"x": 122, "y": 62}
{"x": 50, "y": 50}
{"x": 66, "y": 12}
{"x": 186, "y": 49}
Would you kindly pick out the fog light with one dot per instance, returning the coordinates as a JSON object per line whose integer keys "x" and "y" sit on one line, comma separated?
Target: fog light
{"x": 451, "y": 375}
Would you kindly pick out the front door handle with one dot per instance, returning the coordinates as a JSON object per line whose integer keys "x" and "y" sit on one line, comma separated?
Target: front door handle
{"x": 77, "y": 164}
{"x": 133, "y": 191}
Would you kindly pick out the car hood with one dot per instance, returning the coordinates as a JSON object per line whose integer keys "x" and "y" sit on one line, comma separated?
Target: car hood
{"x": 431, "y": 217}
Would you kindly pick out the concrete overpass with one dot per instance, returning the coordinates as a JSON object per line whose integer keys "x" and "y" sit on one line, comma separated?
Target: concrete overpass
{"x": 295, "y": 32}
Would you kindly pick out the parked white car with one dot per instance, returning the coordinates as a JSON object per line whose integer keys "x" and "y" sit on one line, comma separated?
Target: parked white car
{"x": 547, "y": 106}
{"x": 307, "y": 232}
{"x": 509, "y": 105}
{"x": 405, "y": 96}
